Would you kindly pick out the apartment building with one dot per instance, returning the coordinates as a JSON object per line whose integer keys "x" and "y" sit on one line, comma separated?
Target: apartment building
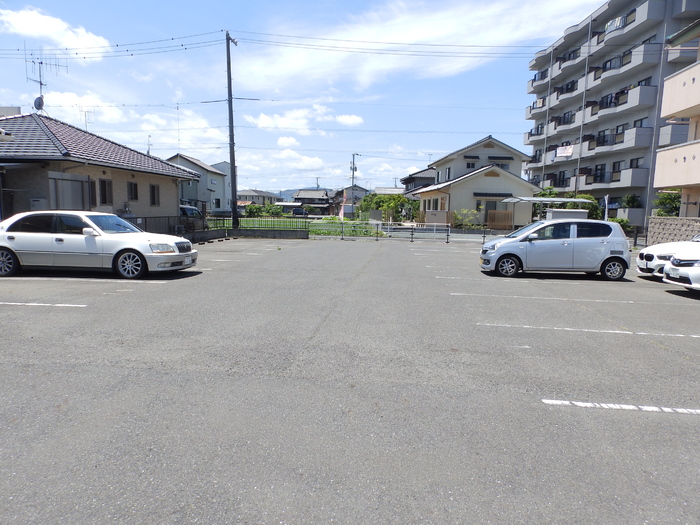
{"x": 596, "y": 115}
{"x": 679, "y": 166}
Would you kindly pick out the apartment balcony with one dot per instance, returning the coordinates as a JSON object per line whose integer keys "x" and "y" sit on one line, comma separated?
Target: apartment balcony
{"x": 686, "y": 9}
{"x": 678, "y": 166}
{"x": 622, "y": 101}
{"x": 643, "y": 56}
{"x": 536, "y": 109}
{"x": 634, "y": 138}
{"x": 534, "y": 136}
{"x": 627, "y": 178}
{"x": 682, "y": 94}
{"x": 648, "y": 15}
{"x": 539, "y": 83}
{"x": 684, "y": 54}
{"x": 672, "y": 134}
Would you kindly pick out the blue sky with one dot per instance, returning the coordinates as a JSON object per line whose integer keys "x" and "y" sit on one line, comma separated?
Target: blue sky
{"x": 400, "y": 83}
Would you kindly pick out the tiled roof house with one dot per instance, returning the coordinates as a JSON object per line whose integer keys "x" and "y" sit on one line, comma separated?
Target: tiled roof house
{"x": 48, "y": 164}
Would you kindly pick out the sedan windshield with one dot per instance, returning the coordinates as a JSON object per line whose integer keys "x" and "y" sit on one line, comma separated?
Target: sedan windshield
{"x": 113, "y": 224}
{"x": 524, "y": 229}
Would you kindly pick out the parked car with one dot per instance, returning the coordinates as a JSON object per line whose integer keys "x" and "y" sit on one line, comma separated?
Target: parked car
{"x": 192, "y": 219}
{"x": 684, "y": 268}
{"x": 83, "y": 239}
{"x": 300, "y": 211}
{"x": 652, "y": 259}
{"x": 561, "y": 245}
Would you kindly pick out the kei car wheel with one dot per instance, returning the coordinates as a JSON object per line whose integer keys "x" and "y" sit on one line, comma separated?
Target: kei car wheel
{"x": 507, "y": 266}
{"x": 130, "y": 265}
{"x": 9, "y": 264}
{"x": 613, "y": 270}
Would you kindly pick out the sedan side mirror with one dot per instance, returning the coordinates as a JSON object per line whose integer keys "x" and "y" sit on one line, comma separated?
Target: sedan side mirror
{"x": 533, "y": 236}
{"x": 90, "y": 232}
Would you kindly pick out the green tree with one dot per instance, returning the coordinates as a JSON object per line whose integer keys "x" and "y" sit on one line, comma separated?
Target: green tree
{"x": 669, "y": 203}
{"x": 253, "y": 210}
{"x": 539, "y": 209}
{"x": 594, "y": 211}
{"x": 272, "y": 210}
{"x": 391, "y": 205}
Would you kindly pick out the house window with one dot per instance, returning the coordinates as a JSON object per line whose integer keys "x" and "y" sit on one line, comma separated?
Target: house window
{"x": 447, "y": 173}
{"x": 471, "y": 165}
{"x": 216, "y": 203}
{"x": 105, "y": 192}
{"x": 503, "y": 166}
{"x": 637, "y": 163}
{"x": 132, "y": 191}
{"x": 155, "y": 195}
{"x": 435, "y": 203}
{"x": 93, "y": 193}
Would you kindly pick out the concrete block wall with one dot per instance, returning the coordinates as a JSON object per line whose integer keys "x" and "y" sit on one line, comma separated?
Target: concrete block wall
{"x": 672, "y": 229}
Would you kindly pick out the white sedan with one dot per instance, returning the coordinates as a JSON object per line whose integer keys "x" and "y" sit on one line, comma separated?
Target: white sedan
{"x": 652, "y": 259}
{"x": 684, "y": 268}
{"x": 83, "y": 239}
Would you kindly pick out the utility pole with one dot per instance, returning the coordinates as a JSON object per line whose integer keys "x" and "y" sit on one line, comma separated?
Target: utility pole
{"x": 231, "y": 142}
{"x": 352, "y": 187}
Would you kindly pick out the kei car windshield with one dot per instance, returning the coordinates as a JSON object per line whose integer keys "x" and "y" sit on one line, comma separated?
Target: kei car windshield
{"x": 113, "y": 224}
{"x": 524, "y": 229}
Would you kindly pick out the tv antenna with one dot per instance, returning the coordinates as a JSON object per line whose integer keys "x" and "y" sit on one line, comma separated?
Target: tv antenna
{"x": 38, "y": 64}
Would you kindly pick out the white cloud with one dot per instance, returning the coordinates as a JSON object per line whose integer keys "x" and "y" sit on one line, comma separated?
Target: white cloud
{"x": 302, "y": 120}
{"x": 34, "y": 23}
{"x": 287, "y": 142}
{"x": 433, "y": 32}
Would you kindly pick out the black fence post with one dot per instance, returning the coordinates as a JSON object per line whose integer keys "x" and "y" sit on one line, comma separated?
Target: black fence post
{"x": 412, "y": 229}
{"x": 448, "y": 235}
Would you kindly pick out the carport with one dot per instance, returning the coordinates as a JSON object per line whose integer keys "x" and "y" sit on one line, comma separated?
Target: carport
{"x": 543, "y": 200}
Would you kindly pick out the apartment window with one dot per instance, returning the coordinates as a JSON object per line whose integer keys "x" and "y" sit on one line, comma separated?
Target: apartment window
{"x": 616, "y": 171}
{"x": 637, "y": 163}
{"x": 155, "y": 195}
{"x": 626, "y": 57}
{"x": 641, "y": 123}
{"x": 105, "y": 192}
{"x": 645, "y": 82}
{"x": 132, "y": 191}
{"x": 650, "y": 40}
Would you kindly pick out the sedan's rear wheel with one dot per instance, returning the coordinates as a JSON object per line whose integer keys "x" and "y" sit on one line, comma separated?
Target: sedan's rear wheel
{"x": 9, "y": 264}
{"x": 507, "y": 266}
{"x": 130, "y": 265}
{"x": 613, "y": 270}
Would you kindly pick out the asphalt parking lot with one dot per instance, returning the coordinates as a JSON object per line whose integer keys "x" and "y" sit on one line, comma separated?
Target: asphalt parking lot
{"x": 350, "y": 381}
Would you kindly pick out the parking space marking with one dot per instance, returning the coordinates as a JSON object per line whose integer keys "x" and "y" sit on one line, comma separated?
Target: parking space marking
{"x": 615, "y": 406}
{"x": 76, "y": 280}
{"x": 45, "y": 304}
{"x": 554, "y": 298}
{"x": 589, "y": 330}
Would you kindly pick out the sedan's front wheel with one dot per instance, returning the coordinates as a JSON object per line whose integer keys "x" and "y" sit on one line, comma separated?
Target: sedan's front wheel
{"x": 130, "y": 265}
{"x": 9, "y": 264}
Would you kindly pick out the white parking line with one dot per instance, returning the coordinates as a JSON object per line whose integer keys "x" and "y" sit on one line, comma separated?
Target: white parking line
{"x": 45, "y": 304}
{"x": 589, "y": 330}
{"x": 553, "y": 298}
{"x": 615, "y": 406}
{"x": 76, "y": 280}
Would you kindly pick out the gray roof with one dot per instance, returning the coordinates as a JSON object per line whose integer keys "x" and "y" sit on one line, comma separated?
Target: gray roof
{"x": 40, "y": 138}
{"x": 311, "y": 194}
{"x": 196, "y": 162}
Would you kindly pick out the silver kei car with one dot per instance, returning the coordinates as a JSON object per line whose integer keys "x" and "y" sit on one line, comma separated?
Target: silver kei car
{"x": 560, "y": 245}
{"x": 84, "y": 239}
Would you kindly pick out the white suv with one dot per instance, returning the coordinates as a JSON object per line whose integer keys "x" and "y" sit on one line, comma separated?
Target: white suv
{"x": 562, "y": 245}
